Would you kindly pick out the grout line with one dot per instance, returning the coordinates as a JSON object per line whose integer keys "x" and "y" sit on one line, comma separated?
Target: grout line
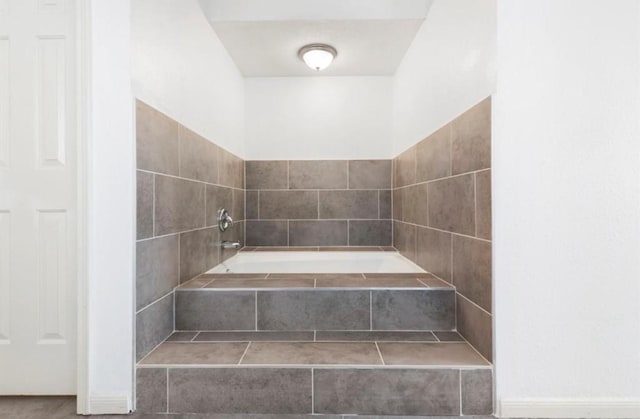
{"x": 193, "y": 339}
{"x": 426, "y": 285}
{"x": 244, "y": 353}
{"x": 485, "y": 311}
{"x": 444, "y": 231}
{"x": 379, "y": 353}
{"x": 435, "y": 336}
{"x": 174, "y": 234}
{"x": 371, "y": 310}
{"x": 189, "y": 179}
{"x": 153, "y": 214}
{"x": 460, "y": 388}
{"x": 442, "y": 178}
{"x": 153, "y": 302}
{"x": 315, "y": 334}
{"x": 475, "y": 204}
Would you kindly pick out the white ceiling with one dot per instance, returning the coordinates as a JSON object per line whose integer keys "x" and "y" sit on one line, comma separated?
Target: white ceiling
{"x": 264, "y": 36}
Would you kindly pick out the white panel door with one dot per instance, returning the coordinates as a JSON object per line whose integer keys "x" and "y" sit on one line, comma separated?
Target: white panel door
{"x": 38, "y": 178}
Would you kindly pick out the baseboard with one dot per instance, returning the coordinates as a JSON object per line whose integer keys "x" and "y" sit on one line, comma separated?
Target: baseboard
{"x": 569, "y": 408}
{"x": 109, "y": 405}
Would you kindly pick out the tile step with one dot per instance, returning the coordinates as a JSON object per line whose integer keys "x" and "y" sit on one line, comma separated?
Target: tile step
{"x": 287, "y": 281}
{"x": 315, "y": 309}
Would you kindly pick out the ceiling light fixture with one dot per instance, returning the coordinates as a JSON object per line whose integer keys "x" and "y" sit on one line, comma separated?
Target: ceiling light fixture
{"x": 317, "y": 56}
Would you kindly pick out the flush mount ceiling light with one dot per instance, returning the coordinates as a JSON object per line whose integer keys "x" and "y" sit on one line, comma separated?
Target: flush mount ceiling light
{"x": 317, "y": 56}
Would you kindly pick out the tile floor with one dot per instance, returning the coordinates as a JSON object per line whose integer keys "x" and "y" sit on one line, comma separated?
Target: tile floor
{"x": 65, "y": 407}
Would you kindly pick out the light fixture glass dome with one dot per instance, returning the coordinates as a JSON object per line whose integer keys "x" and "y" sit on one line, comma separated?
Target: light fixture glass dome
{"x": 317, "y": 56}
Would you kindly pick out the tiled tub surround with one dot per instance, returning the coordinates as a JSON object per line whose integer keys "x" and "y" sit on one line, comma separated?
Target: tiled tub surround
{"x": 442, "y": 215}
{"x": 319, "y": 203}
{"x": 182, "y": 180}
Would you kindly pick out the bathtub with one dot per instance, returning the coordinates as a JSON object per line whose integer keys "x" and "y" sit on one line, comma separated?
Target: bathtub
{"x": 317, "y": 262}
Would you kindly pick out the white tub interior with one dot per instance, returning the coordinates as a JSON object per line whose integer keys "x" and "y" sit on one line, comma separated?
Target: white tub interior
{"x": 317, "y": 262}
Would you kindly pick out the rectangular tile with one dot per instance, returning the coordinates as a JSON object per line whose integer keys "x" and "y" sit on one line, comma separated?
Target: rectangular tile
{"x": 404, "y": 167}
{"x": 404, "y": 239}
{"x": 157, "y": 268}
{"x": 220, "y": 353}
{"x": 240, "y": 390}
{"x": 415, "y": 204}
{"x": 217, "y": 197}
{"x": 313, "y": 310}
{"x": 433, "y": 252}
{"x": 267, "y": 233}
{"x": 472, "y": 270}
{"x": 198, "y": 157}
{"x": 208, "y": 310}
{"x": 153, "y": 325}
{"x": 144, "y": 204}
{"x": 318, "y": 233}
{"x": 365, "y": 336}
{"x": 471, "y": 139}
{"x": 261, "y": 283}
{"x": 452, "y": 204}
{"x": 370, "y": 232}
{"x": 385, "y": 205}
{"x": 252, "y": 203}
{"x": 434, "y": 155}
{"x": 182, "y": 336}
{"x": 268, "y": 174}
{"x": 370, "y": 283}
{"x": 179, "y": 205}
{"x": 474, "y": 325}
{"x": 483, "y": 204}
{"x": 401, "y": 353}
{"x": 349, "y": 204}
{"x": 387, "y": 392}
{"x": 230, "y": 169}
{"x": 318, "y": 174}
{"x": 370, "y": 174}
{"x": 198, "y": 252}
{"x": 448, "y": 336}
{"x": 151, "y": 390}
{"x": 156, "y": 140}
{"x": 254, "y": 336}
{"x": 413, "y": 310}
{"x": 477, "y": 392}
{"x": 282, "y": 205}
{"x": 312, "y": 353}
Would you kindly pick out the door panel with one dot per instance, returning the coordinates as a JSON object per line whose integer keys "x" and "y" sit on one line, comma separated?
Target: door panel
{"x": 37, "y": 197}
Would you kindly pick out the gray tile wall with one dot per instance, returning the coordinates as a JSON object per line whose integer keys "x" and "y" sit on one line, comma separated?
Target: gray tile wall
{"x": 182, "y": 181}
{"x": 319, "y": 203}
{"x": 442, "y": 215}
